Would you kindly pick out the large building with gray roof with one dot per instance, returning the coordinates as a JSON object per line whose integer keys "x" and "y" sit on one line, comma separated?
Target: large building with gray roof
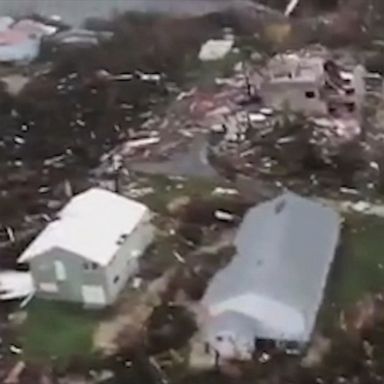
{"x": 273, "y": 287}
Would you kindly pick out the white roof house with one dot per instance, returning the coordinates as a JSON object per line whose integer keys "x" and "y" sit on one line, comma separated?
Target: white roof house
{"x": 274, "y": 286}
{"x": 88, "y": 254}
{"x": 89, "y": 225}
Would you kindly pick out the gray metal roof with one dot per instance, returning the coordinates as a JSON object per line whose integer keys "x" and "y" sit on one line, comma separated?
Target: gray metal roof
{"x": 285, "y": 248}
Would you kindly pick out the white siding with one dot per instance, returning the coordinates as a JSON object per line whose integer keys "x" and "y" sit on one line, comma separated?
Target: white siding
{"x": 93, "y": 295}
{"x": 125, "y": 263}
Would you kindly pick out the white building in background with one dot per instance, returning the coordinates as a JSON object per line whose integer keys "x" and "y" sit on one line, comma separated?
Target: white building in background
{"x": 20, "y": 41}
{"x": 90, "y": 251}
{"x": 273, "y": 288}
{"x": 18, "y": 46}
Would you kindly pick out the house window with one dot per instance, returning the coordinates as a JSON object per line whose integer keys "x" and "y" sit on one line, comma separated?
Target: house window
{"x": 116, "y": 279}
{"x": 310, "y": 94}
{"x": 90, "y": 266}
{"x": 292, "y": 345}
{"x": 350, "y": 107}
{"x": 94, "y": 266}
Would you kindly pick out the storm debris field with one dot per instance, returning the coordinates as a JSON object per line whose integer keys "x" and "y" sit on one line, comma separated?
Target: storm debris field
{"x": 198, "y": 118}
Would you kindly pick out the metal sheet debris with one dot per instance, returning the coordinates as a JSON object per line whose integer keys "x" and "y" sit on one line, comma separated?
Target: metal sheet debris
{"x": 15, "y": 285}
{"x": 215, "y": 49}
{"x": 224, "y": 216}
{"x": 15, "y": 350}
{"x": 141, "y": 142}
{"x": 13, "y": 376}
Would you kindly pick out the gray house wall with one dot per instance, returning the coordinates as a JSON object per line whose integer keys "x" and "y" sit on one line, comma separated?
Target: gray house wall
{"x": 111, "y": 278}
{"x": 125, "y": 263}
{"x": 44, "y": 271}
{"x": 292, "y": 95}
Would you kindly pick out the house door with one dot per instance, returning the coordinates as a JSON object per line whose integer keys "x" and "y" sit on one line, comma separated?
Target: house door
{"x": 93, "y": 295}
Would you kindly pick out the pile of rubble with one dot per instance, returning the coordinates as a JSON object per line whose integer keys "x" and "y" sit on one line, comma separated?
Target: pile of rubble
{"x": 306, "y": 113}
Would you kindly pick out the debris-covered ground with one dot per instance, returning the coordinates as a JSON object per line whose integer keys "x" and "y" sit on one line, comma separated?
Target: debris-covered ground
{"x": 136, "y": 111}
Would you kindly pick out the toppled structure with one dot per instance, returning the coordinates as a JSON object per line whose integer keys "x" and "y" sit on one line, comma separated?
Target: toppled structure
{"x": 273, "y": 288}
{"x": 313, "y": 84}
{"x": 15, "y": 285}
{"x": 304, "y": 113}
{"x": 91, "y": 250}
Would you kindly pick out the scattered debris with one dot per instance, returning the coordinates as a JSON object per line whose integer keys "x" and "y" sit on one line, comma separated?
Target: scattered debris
{"x": 225, "y": 191}
{"x": 140, "y": 143}
{"x": 137, "y": 282}
{"x": 264, "y": 358}
{"x": 215, "y": 49}
{"x": 177, "y": 204}
{"x": 291, "y": 6}
{"x": 15, "y": 285}
{"x": 14, "y": 374}
{"x": 105, "y": 375}
{"x": 15, "y": 83}
{"x": 319, "y": 347}
{"x": 32, "y": 27}
{"x": 178, "y": 257}
{"x": 11, "y": 234}
{"x": 135, "y": 193}
{"x": 361, "y": 206}
{"x": 15, "y": 350}
{"x": 80, "y": 37}
{"x": 17, "y": 318}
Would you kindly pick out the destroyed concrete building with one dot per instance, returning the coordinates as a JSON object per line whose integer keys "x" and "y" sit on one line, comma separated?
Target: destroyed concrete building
{"x": 273, "y": 288}
{"x": 313, "y": 84}
{"x": 304, "y": 99}
{"x": 90, "y": 251}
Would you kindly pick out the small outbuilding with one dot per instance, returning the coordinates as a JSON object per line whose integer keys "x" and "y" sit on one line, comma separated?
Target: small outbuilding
{"x": 90, "y": 251}
{"x": 272, "y": 289}
{"x": 18, "y": 46}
